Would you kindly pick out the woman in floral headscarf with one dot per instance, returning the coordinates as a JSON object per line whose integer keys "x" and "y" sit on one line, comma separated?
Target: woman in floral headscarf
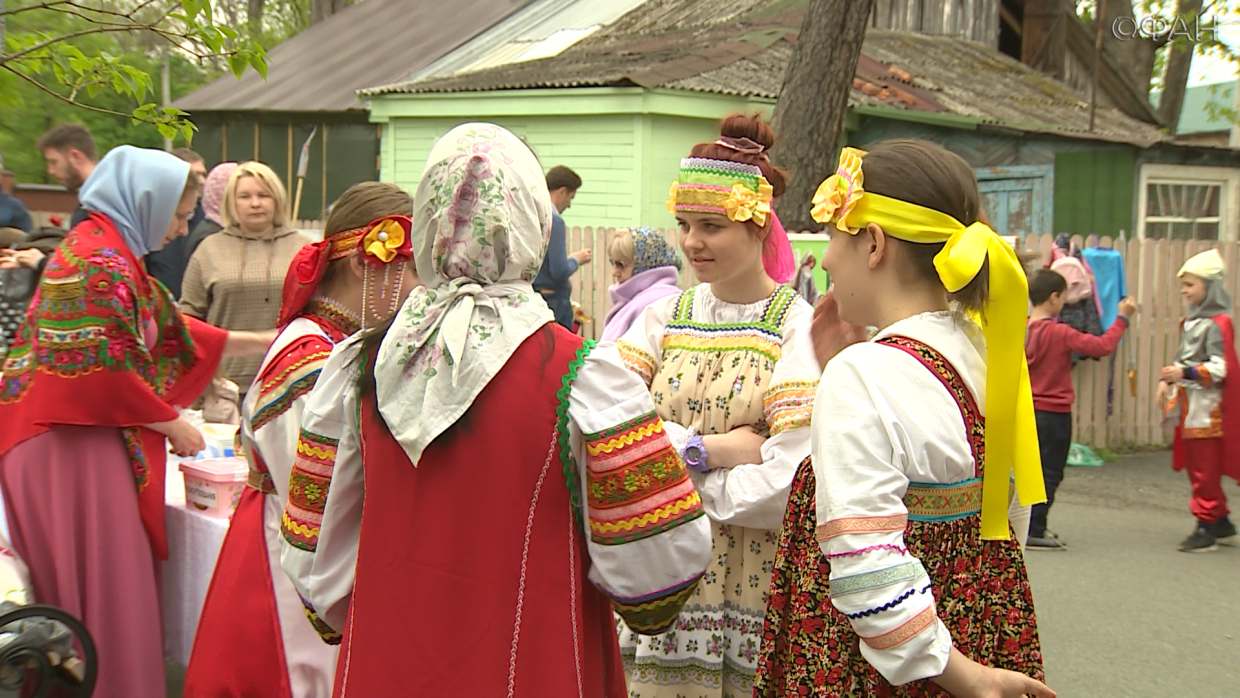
{"x": 461, "y": 537}
{"x": 645, "y": 267}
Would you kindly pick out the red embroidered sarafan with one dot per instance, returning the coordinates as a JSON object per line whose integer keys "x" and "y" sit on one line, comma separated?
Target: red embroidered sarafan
{"x": 104, "y": 344}
{"x": 981, "y": 588}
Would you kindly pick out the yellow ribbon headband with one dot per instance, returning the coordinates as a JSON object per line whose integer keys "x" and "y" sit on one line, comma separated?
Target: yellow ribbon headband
{"x": 1011, "y": 433}
{"x": 733, "y": 189}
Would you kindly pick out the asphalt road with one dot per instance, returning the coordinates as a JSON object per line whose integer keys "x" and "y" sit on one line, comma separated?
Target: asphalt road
{"x": 1123, "y": 613}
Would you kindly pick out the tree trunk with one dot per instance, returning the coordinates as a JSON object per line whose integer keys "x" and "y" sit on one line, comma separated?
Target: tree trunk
{"x": 322, "y": 9}
{"x": 1134, "y": 53}
{"x": 254, "y": 17}
{"x": 809, "y": 115}
{"x": 1179, "y": 60}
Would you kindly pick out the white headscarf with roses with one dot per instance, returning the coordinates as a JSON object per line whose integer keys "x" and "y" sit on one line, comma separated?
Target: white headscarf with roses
{"x": 481, "y": 218}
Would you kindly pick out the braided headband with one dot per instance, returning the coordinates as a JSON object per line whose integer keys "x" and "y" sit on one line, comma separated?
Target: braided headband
{"x": 733, "y": 189}
{"x": 1011, "y": 433}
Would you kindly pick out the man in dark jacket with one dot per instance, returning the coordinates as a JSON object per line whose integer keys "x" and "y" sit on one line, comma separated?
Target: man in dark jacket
{"x": 13, "y": 213}
{"x": 70, "y": 152}
{"x": 558, "y": 266}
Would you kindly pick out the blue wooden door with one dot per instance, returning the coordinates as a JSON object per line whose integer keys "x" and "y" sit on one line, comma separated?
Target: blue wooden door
{"x": 1018, "y": 200}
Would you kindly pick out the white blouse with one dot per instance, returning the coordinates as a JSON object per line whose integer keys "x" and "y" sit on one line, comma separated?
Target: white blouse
{"x": 603, "y": 395}
{"x": 881, "y": 421}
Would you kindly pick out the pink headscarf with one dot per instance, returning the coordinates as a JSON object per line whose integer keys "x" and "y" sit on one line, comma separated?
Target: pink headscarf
{"x": 213, "y": 190}
{"x": 777, "y": 258}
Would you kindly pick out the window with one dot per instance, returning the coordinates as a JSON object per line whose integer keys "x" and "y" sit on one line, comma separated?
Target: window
{"x": 1180, "y": 202}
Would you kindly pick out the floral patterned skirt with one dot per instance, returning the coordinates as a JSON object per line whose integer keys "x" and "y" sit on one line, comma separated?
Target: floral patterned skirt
{"x": 981, "y": 591}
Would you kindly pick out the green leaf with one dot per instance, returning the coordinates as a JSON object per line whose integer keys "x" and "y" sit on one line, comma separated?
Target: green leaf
{"x": 237, "y": 64}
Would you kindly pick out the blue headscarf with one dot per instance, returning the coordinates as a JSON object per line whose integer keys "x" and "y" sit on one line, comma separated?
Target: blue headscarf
{"x": 651, "y": 251}
{"x": 138, "y": 189}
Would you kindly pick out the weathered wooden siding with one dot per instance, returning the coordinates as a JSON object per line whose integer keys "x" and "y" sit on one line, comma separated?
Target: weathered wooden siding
{"x": 968, "y": 19}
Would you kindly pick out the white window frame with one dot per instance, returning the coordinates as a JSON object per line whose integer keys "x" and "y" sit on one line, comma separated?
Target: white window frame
{"x": 1226, "y": 177}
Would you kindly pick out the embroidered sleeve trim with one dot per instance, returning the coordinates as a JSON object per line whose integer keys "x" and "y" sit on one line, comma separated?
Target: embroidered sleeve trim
{"x": 308, "y": 486}
{"x": 869, "y": 548}
{"x": 789, "y": 405}
{"x": 1204, "y": 377}
{"x": 325, "y": 631}
{"x": 655, "y": 613}
{"x": 277, "y": 394}
{"x": 907, "y": 631}
{"x": 637, "y": 360}
{"x": 861, "y": 524}
{"x": 877, "y": 579}
{"x": 636, "y": 484}
{"x": 889, "y": 605}
{"x": 569, "y": 464}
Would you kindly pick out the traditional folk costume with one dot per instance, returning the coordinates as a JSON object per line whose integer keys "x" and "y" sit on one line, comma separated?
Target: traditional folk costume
{"x": 903, "y": 506}
{"x": 466, "y": 571}
{"x": 280, "y": 654}
{"x": 713, "y": 366}
{"x": 1207, "y": 437}
{"x": 105, "y": 351}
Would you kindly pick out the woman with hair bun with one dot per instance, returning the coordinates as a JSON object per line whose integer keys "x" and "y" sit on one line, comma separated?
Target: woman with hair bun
{"x": 731, "y": 368}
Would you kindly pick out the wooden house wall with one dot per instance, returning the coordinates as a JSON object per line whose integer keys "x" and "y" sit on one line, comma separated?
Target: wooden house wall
{"x": 967, "y": 19}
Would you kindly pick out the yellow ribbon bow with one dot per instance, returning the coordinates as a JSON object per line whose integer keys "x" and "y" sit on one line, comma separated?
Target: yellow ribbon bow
{"x": 1011, "y": 432}
{"x": 745, "y": 204}
{"x": 384, "y": 240}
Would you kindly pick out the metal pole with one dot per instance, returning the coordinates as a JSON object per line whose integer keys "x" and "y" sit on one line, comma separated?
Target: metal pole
{"x": 1093, "y": 94}
{"x": 166, "y": 92}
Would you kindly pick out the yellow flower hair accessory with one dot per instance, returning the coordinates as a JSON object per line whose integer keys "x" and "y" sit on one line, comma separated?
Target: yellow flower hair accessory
{"x": 745, "y": 204}
{"x": 387, "y": 239}
{"x": 671, "y": 201}
{"x": 838, "y": 195}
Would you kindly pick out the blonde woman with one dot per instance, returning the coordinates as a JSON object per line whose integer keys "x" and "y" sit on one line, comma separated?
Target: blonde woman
{"x": 235, "y": 277}
{"x": 646, "y": 268}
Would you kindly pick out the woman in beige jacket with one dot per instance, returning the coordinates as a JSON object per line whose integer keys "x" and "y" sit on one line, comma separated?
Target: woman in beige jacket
{"x": 235, "y": 276}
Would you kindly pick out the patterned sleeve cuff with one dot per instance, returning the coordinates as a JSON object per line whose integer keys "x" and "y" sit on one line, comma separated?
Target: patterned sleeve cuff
{"x": 636, "y": 484}
{"x": 308, "y": 486}
{"x": 324, "y": 630}
{"x": 655, "y": 613}
{"x": 789, "y": 405}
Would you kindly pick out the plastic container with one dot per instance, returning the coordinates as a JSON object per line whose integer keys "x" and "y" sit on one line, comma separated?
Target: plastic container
{"x": 214, "y": 485}
{"x": 220, "y": 440}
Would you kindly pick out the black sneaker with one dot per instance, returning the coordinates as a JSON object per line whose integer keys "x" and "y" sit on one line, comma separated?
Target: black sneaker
{"x": 1224, "y": 531}
{"x": 1046, "y": 541}
{"x": 1201, "y": 541}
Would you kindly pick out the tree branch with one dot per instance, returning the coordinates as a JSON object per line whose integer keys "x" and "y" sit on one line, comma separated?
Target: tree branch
{"x": 61, "y": 97}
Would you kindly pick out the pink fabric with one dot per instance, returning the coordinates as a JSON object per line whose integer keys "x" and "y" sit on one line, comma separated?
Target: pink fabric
{"x": 73, "y": 515}
{"x": 1073, "y": 271}
{"x": 213, "y": 190}
{"x": 777, "y": 257}
{"x": 629, "y": 298}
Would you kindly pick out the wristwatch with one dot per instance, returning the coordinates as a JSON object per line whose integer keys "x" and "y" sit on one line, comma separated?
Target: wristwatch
{"x": 694, "y": 455}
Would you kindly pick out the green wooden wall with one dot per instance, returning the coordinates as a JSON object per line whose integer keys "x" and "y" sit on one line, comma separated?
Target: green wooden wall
{"x": 352, "y": 148}
{"x": 1094, "y": 192}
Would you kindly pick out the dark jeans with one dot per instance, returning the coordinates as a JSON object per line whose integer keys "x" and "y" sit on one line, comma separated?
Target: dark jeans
{"x": 1054, "y": 441}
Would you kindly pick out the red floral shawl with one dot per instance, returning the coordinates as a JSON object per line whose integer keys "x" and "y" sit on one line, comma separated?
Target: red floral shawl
{"x": 104, "y": 344}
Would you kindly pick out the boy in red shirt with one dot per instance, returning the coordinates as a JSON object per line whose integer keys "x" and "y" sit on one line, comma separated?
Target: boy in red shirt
{"x": 1049, "y": 346}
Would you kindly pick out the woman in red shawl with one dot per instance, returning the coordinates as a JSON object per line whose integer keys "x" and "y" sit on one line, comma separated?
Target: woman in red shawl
{"x": 89, "y": 395}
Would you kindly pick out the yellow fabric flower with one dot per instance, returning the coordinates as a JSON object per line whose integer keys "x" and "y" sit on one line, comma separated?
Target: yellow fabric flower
{"x": 671, "y": 202}
{"x": 745, "y": 204}
{"x": 838, "y": 194}
{"x": 384, "y": 240}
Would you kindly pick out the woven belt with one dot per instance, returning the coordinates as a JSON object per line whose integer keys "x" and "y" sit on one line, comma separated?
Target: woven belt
{"x": 261, "y": 482}
{"x": 930, "y": 501}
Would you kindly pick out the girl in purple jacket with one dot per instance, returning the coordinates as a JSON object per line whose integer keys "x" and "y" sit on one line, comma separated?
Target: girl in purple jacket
{"x": 645, "y": 267}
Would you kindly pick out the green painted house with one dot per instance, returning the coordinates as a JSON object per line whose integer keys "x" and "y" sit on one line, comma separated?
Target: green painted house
{"x": 622, "y": 106}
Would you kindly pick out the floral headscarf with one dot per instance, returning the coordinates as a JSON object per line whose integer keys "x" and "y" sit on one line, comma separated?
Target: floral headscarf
{"x": 651, "y": 251}
{"x": 481, "y": 219}
{"x": 213, "y": 190}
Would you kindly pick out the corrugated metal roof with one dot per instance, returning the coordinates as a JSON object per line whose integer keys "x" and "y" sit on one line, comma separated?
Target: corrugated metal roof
{"x": 512, "y": 39}
{"x": 368, "y": 43}
{"x": 898, "y": 70}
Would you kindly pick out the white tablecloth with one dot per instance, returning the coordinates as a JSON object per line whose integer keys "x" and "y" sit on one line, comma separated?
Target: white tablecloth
{"x": 194, "y": 541}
